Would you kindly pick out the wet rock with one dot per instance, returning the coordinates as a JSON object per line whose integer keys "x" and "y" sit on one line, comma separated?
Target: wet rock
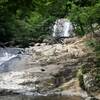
{"x": 91, "y": 98}
{"x": 4, "y": 92}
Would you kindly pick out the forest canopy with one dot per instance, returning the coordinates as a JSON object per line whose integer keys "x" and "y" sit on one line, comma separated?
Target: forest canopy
{"x": 26, "y": 20}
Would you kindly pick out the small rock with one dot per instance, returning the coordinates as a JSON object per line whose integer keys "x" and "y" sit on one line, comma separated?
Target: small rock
{"x": 37, "y": 44}
{"x": 43, "y": 44}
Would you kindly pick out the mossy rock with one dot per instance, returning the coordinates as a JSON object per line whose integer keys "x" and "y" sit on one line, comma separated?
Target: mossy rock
{"x": 80, "y": 78}
{"x": 85, "y": 68}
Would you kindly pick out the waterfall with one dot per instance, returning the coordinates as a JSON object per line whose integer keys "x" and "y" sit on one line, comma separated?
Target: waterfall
{"x": 62, "y": 28}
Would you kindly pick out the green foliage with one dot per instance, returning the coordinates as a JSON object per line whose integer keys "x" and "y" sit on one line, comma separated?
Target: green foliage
{"x": 57, "y": 8}
{"x": 98, "y": 80}
{"x": 83, "y": 18}
{"x": 91, "y": 43}
{"x": 94, "y": 44}
{"x": 30, "y": 19}
{"x": 94, "y": 66}
{"x": 81, "y": 82}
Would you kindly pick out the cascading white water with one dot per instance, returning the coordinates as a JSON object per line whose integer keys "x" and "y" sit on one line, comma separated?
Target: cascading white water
{"x": 62, "y": 28}
{"x": 6, "y": 57}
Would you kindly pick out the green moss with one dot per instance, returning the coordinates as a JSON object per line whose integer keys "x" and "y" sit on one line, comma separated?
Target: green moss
{"x": 80, "y": 78}
{"x": 91, "y": 43}
{"x": 85, "y": 68}
{"x": 81, "y": 82}
{"x": 96, "y": 74}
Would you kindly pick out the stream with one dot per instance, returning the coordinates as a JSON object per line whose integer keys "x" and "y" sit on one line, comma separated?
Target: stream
{"x": 39, "y": 98}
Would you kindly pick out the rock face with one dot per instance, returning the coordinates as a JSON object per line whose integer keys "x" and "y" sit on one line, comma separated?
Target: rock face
{"x": 45, "y": 68}
{"x": 89, "y": 76}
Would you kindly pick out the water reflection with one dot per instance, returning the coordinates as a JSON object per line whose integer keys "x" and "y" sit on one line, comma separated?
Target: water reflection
{"x": 39, "y": 98}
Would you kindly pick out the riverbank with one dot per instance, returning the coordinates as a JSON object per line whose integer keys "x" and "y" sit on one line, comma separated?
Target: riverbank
{"x": 49, "y": 70}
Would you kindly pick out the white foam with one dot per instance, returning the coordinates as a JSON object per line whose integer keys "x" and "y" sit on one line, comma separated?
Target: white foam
{"x": 6, "y": 57}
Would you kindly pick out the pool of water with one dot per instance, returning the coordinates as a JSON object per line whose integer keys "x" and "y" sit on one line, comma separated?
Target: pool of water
{"x": 40, "y": 98}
